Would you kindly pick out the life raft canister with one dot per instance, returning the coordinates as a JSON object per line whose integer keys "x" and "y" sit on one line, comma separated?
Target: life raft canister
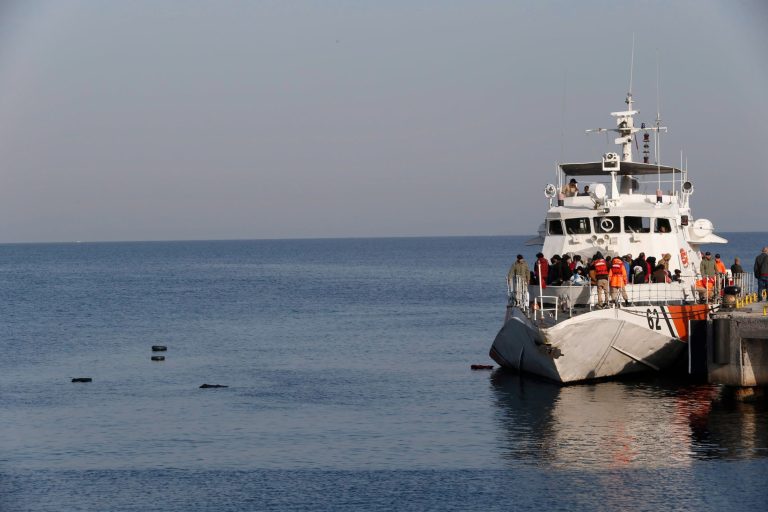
{"x": 684, "y": 257}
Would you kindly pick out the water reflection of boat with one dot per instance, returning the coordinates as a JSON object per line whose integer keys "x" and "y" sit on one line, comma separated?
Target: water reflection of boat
{"x": 624, "y": 424}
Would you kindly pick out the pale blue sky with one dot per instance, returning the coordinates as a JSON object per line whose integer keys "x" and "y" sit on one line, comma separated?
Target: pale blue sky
{"x": 159, "y": 120}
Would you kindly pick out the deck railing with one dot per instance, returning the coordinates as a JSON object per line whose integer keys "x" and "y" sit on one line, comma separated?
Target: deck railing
{"x": 536, "y": 300}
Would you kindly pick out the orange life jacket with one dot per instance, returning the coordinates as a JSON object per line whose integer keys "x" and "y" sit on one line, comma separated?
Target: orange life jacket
{"x": 601, "y": 268}
{"x": 720, "y": 266}
{"x": 618, "y": 273}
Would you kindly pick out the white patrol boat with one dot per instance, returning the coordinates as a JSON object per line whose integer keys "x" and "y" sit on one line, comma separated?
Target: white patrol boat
{"x": 562, "y": 332}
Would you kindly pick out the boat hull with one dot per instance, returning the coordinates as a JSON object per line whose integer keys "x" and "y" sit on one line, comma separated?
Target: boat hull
{"x": 596, "y": 345}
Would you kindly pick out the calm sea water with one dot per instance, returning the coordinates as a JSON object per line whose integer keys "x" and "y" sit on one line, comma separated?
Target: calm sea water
{"x": 347, "y": 363}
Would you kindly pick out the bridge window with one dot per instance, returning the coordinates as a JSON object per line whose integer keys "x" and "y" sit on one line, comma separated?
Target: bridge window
{"x": 555, "y": 227}
{"x": 637, "y": 225}
{"x": 663, "y": 226}
{"x": 579, "y": 226}
{"x": 607, "y": 224}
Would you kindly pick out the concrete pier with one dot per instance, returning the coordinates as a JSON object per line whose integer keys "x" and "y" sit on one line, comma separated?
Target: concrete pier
{"x": 736, "y": 346}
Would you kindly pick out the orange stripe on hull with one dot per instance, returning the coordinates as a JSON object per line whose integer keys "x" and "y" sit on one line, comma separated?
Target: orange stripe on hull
{"x": 680, "y": 315}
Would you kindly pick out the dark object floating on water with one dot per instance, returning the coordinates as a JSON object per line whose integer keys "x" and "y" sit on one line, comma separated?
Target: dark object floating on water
{"x": 158, "y": 358}
{"x": 206, "y": 386}
{"x": 482, "y": 367}
{"x": 159, "y": 348}
{"x": 82, "y": 379}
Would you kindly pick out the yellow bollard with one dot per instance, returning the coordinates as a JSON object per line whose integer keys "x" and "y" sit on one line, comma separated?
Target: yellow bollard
{"x": 765, "y": 310}
{"x": 738, "y": 303}
{"x": 748, "y": 300}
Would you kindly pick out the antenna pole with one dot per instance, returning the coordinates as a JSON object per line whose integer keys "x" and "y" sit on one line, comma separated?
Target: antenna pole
{"x": 658, "y": 123}
{"x": 631, "y": 67}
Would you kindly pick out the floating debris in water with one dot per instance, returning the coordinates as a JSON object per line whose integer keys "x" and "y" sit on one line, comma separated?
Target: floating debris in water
{"x": 159, "y": 348}
{"x": 206, "y": 386}
{"x": 482, "y": 367}
{"x": 82, "y": 379}
{"x": 158, "y": 358}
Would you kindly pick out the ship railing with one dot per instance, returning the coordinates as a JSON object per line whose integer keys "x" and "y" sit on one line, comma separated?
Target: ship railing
{"x": 534, "y": 299}
{"x": 564, "y": 298}
{"x": 658, "y": 293}
{"x": 517, "y": 292}
{"x": 540, "y": 306}
{"x": 746, "y": 284}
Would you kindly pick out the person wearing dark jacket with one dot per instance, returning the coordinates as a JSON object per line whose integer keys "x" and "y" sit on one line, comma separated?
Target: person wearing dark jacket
{"x": 736, "y": 268}
{"x": 761, "y": 273}
{"x": 553, "y": 278}
{"x": 565, "y": 268}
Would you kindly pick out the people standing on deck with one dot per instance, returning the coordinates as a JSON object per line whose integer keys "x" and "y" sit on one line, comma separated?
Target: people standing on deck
{"x": 639, "y": 277}
{"x": 553, "y": 277}
{"x": 678, "y": 276}
{"x": 665, "y": 258}
{"x": 650, "y": 266}
{"x": 628, "y": 266}
{"x": 600, "y": 266}
{"x": 618, "y": 280}
{"x": 707, "y": 266}
{"x": 660, "y": 275}
{"x": 736, "y": 268}
{"x": 565, "y": 268}
{"x": 761, "y": 273}
{"x": 541, "y": 270}
{"x": 520, "y": 270}
{"x": 719, "y": 265}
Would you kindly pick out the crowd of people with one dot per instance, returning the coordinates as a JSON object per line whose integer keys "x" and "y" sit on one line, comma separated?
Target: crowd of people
{"x": 611, "y": 274}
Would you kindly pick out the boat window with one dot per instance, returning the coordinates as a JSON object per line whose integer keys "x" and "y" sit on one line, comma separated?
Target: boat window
{"x": 555, "y": 227}
{"x": 637, "y": 224}
{"x": 607, "y": 224}
{"x": 663, "y": 226}
{"x": 579, "y": 226}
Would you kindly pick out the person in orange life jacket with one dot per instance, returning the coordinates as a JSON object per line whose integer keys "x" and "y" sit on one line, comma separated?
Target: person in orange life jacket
{"x": 600, "y": 267}
{"x": 541, "y": 265}
{"x": 705, "y": 286}
{"x": 617, "y": 276}
{"x": 719, "y": 265}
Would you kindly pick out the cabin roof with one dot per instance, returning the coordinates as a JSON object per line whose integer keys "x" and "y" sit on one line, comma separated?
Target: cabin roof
{"x": 625, "y": 168}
